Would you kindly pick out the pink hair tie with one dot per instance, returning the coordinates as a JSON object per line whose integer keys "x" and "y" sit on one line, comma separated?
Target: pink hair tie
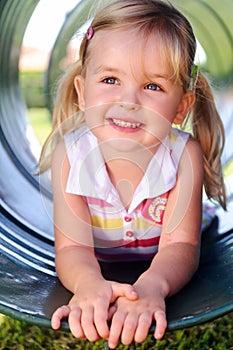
{"x": 90, "y": 33}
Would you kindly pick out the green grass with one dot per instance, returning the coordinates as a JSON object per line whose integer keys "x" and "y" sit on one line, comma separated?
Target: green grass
{"x": 228, "y": 170}
{"x": 217, "y": 335}
{"x": 41, "y": 122}
{"x": 32, "y": 86}
{"x": 16, "y": 335}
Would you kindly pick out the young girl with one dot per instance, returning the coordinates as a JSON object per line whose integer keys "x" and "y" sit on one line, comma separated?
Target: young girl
{"x": 127, "y": 185}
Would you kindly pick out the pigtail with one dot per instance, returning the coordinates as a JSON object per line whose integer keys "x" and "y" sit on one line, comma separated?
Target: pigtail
{"x": 209, "y": 131}
{"x": 66, "y": 115}
{"x": 66, "y": 104}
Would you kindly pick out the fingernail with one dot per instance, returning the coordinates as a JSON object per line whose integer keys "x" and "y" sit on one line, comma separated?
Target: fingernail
{"x": 159, "y": 335}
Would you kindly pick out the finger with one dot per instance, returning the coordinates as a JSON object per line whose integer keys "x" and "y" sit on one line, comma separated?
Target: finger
{"x": 88, "y": 326}
{"x": 60, "y": 313}
{"x": 161, "y": 324}
{"x": 121, "y": 289}
{"x": 111, "y": 311}
{"x": 75, "y": 323}
{"x": 129, "y": 329}
{"x": 101, "y": 319}
{"x": 143, "y": 327}
{"x": 115, "y": 329}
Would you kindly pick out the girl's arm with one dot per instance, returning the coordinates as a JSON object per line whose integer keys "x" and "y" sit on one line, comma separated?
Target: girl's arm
{"x": 181, "y": 234}
{"x": 76, "y": 264}
{"x": 177, "y": 258}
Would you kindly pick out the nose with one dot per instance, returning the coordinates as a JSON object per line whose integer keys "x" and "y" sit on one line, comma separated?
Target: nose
{"x": 129, "y": 106}
{"x": 129, "y": 99}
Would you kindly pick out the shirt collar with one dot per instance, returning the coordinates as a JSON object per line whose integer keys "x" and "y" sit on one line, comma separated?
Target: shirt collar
{"x": 88, "y": 175}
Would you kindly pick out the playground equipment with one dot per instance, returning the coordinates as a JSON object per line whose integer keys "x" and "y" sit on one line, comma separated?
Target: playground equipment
{"x": 29, "y": 288}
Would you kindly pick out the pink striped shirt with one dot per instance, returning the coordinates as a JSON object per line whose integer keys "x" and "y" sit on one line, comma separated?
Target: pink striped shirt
{"x": 120, "y": 234}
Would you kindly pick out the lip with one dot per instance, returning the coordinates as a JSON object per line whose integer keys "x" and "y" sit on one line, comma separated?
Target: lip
{"x": 116, "y": 124}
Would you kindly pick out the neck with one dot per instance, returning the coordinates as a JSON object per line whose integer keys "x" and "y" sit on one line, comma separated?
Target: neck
{"x": 140, "y": 155}
{"x": 126, "y": 169}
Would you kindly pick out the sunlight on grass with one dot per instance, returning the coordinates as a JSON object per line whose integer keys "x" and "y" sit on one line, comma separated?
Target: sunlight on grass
{"x": 1, "y": 319}
{"x": 228, "y": 169}
{"x": 40, "y": 120}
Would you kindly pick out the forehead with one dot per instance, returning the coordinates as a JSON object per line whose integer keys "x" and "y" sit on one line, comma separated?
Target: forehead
{"x": 127, "y": 48}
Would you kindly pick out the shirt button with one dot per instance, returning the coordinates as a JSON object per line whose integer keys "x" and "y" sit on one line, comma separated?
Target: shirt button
{"x": 128, "y": 218}
{"x": 129, "y": 234}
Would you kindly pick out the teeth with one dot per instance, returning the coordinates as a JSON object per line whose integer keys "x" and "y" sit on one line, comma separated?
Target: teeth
{"x": 124, "y": 124}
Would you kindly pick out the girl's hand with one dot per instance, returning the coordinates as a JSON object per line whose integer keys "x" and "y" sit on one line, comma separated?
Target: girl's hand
{"x": 132, "y": 319}
{"x": 88, "y": 309}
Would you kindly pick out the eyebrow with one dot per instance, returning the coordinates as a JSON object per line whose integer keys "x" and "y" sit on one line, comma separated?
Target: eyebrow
{"x": 157, "y": 75}
{"x": 149, "y": 76}
{"x": 109, "y": 69}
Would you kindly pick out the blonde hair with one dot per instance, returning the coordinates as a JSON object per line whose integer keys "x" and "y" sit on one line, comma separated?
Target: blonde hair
{"x": 179, "y": 47}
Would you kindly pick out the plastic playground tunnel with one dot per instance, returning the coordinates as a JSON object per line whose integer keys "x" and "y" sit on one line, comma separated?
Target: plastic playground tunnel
{"x": 26, "y": 217}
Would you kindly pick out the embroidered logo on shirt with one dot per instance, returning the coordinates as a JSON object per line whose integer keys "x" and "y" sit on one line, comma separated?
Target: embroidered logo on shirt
{"x": 157, "y": 208}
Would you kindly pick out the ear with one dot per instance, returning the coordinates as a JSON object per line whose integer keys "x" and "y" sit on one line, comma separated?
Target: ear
{"x": 186, "y": 103}
{"x": 79, "y": 87}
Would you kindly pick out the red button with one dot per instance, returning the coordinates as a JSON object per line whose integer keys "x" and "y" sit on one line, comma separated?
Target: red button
{"x": 128, "y": 218}
{"x": 129, "y": 234}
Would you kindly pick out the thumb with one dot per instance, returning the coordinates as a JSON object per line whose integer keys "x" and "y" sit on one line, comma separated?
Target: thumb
{"x": 123, "y": 290}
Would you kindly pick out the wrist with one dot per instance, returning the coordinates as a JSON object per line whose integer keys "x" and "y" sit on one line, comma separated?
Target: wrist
{"x": 150, "y": 280}
{"x": 88, "y": 278}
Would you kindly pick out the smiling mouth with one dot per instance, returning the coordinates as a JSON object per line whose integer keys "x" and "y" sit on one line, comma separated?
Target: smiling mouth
{"x": 126, "y": 124}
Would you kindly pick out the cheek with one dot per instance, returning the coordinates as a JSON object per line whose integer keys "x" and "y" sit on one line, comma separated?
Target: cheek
{"x": 100, "y": 95}
{"x": 95, "y": 114}
{"x": 166, "y": 105}
{"x": 157, "y": 125}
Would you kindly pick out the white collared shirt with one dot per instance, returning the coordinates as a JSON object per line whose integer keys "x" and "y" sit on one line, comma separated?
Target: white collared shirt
{"x": 121, "y": 234}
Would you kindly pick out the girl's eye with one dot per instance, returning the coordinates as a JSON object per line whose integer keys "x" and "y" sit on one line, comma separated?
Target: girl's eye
{"x": 153, "y": 87}
{"x": 110, "y": 80}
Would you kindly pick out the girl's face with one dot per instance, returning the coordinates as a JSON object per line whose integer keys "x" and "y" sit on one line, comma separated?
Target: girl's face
{"x": 127, "y": 93}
